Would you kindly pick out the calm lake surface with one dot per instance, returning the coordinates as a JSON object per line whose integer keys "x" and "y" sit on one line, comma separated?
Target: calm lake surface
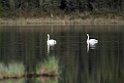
{"x": 79, "y": 62}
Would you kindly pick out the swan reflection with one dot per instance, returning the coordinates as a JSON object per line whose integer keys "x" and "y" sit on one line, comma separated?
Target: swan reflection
{"x": 91, "y": 46}
{"x": 49, "y": 47}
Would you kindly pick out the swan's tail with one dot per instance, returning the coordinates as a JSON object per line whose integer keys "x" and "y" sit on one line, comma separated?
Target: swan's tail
{"x": 96, "y": 41}
{"x": 55, "y": 42}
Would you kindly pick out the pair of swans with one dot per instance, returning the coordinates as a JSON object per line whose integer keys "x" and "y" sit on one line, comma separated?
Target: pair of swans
{"x": 52, "y": 42}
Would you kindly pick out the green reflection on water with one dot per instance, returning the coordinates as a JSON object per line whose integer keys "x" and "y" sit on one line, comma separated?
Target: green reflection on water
{"x": 32, "y": 80}
{"x": 13, "y": 81}
{"x": 101, "y": 65}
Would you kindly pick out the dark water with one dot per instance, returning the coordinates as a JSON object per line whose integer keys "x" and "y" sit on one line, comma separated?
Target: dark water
{"x": 103, "y": 63}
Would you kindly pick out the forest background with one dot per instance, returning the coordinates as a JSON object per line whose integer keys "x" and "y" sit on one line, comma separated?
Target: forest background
{"x": 74, "y": 9}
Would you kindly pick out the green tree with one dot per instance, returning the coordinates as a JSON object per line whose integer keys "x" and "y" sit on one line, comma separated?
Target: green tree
{"x": 51, "y": 6}
{"x": 12, "y": 4}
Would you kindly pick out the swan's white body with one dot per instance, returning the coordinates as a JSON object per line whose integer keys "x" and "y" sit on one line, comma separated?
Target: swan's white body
{"x": 91, "y": 41}
{"x": 50, "y": 42}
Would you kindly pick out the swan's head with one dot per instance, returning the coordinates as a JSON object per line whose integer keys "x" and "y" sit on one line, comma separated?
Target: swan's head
{"x": 87, "y": 34}
{"x": 48, "y": 35}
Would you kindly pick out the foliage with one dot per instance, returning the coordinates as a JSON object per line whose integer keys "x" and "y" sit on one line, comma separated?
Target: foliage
{"x": 15, "y": 69}
{"x": 34, "y": 8}
{"x": 11, "y": 70}
{"x": 49, "y": 66}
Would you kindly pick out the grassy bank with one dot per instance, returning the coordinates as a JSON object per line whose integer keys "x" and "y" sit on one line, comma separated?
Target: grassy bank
{"x": 58, "y": 21}
{"x": 48, "y": 68}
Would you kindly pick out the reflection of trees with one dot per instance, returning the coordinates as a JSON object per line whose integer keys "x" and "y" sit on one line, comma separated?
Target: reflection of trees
{"x": 22, "y": 80}
{"x": 98, "y": 66}
{"x": 69, "y": 66}
{"x": 104, "y": 65}
{"x": 19, "y": 46}
{"x": 70, "y": 51}
{"x": 47, "y": 80}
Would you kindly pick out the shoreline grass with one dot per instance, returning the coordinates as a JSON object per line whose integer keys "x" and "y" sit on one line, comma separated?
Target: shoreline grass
{"x": 57, "y": 21}
{"x": 48, "y": 68}
{"x": 12, "y": 70}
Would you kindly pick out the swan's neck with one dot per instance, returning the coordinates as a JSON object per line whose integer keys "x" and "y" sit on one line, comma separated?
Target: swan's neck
{"x": 88, "y": 38}
{"x": 48, "y": 37}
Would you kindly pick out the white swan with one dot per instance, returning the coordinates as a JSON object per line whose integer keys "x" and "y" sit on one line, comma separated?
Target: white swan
{"x": 50, "y": 42}
{"x": 91, "y": 41}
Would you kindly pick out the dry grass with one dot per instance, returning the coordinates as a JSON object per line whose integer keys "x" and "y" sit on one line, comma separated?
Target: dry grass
{"x": 58, "y": 21}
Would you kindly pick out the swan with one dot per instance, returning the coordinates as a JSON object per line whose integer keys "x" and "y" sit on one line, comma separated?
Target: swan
{"x": 91, "y": 41}
{"x": 50, "y": 42}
